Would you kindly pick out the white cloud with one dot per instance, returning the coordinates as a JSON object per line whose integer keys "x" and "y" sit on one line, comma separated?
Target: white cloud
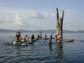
{"x": 34, "y": 14}
{"x": 18, "y": 20}
{"x": 33, "y": 19}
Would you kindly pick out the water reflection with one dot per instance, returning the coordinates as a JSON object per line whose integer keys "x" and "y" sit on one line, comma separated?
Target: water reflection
{"x": 22, "y": 51}
{"x": 18, "y": 51}
{"x": 50, "y": 47}
{"x": 32, "y": 49}
{"x": 50, "y": 51}
{"x": 59, "y": 52}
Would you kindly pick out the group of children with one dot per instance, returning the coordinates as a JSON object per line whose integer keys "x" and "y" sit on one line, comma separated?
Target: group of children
{"x": 20, "y": 39}
{"x": 31, "y": 39}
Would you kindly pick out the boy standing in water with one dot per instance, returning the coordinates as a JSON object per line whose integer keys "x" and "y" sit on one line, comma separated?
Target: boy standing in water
{"x": 18, "y": 35}
{"x": 50, "y": 40}
{"x": 58, "y": 37}
{"x": 45, "y": 36}
{"x": 32, "y": 38}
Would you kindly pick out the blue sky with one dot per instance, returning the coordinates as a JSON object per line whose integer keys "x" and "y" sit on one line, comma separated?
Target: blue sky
{"x": 40, "y": 14}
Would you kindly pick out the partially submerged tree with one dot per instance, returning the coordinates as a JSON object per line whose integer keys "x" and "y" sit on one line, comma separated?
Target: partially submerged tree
{"x": 59, "y": 26}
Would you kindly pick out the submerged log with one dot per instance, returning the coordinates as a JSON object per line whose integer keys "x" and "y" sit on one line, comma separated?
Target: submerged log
{"x": 68, "y": 40}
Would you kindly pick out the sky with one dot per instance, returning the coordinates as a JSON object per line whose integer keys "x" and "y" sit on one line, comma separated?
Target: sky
{"x": 41, "y": 14}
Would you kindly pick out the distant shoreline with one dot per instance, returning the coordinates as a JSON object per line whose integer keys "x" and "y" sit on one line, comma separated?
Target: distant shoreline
{"x": 38, "y": 31}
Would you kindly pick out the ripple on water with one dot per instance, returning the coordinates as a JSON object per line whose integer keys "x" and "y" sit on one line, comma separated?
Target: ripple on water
{"x": 41, "y": 52}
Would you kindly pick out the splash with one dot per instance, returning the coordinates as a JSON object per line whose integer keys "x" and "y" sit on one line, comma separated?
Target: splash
{"x": 18, "y": 20}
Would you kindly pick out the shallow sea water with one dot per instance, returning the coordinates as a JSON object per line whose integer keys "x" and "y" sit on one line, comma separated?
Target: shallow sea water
{"x": 40, "y": 51}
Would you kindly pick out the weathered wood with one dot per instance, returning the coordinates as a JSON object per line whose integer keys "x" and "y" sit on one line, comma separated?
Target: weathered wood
{"x": 59, "y": 26}
{"x": 68, "y": 40}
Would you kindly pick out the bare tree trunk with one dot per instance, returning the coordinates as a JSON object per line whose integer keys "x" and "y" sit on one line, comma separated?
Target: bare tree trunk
{"x": 59, "y": 26}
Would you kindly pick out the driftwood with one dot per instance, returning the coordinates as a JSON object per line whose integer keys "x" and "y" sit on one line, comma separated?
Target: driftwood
{"x": 59, "y": 26}
{"x": 68, "y": 40}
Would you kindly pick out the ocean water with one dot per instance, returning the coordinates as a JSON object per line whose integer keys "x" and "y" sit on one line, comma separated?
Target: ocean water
{"x": 40, "y": 51}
